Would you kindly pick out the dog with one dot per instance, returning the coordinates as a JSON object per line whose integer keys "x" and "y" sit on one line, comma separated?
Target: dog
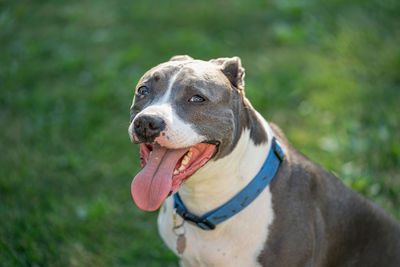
{"x": 232, "y": 190}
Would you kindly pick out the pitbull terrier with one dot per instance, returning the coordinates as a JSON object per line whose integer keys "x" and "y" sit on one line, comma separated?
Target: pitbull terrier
{"x": 241, "y": 195}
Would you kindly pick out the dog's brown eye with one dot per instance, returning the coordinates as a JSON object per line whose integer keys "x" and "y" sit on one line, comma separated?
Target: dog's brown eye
{"x": 142, "y": 91}
{"x": 196, "y": 99}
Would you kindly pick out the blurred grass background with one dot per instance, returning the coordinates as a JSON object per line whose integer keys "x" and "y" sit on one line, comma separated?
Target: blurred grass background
{"x": 327, "y": 72}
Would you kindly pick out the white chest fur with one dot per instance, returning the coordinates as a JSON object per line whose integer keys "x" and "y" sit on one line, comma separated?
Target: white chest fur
{"x": 237, "y": 241}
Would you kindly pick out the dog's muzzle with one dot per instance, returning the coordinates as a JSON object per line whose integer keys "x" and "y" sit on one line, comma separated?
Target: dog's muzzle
{"x": 147, "y": 128}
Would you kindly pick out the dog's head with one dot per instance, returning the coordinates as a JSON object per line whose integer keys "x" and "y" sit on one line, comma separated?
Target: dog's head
{"x": 185, "y": 112}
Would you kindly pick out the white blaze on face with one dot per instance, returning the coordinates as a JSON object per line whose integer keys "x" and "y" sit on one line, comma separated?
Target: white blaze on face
{"x": 177, "y": 133}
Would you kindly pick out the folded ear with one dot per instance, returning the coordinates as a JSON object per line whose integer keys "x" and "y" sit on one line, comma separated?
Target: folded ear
{"x": 233, "y": 70}
{"x": 180, "y": 58}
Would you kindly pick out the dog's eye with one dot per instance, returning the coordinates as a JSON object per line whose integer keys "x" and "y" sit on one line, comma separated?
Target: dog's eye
{"x": 142, "y": 91}
{"x": 196, "y": 99}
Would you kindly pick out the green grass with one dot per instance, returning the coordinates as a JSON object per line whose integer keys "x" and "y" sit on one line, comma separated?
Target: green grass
{"x": 327, "y": 72}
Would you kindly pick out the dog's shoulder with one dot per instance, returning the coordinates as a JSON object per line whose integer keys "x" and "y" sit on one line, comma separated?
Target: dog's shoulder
{"x": 332, "y": 209}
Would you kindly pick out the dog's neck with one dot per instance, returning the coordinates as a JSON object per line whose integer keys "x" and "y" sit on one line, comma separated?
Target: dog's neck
{"x": 218, "y": 181}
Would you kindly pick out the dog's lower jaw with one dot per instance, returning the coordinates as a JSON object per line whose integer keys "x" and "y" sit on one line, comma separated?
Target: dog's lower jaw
{"x": 212, "y": 185}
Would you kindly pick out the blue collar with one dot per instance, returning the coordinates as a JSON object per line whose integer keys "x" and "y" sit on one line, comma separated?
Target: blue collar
{"x": 209, "y": 220}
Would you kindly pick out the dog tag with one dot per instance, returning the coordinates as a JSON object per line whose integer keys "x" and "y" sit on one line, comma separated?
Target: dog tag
{"x": 181, "y": 243}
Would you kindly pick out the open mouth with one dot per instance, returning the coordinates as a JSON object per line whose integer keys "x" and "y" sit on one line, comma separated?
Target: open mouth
{"x": 165, "y": 170}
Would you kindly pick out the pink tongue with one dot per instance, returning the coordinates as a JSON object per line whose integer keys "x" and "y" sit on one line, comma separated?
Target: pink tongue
{"x": 151, "y": 186}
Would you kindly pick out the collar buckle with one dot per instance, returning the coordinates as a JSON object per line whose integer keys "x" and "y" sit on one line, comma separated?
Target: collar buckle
{"x": 201, "y": 222}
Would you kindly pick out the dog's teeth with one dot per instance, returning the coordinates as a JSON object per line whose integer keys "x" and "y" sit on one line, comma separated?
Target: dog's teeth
{"x": 185, "y": 160}
{"x": 176, "y": 172}
{"x": 181, "y": 168}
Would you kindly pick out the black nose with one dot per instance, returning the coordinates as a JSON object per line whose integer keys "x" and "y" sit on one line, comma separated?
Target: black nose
{"x": 148, "y": 127}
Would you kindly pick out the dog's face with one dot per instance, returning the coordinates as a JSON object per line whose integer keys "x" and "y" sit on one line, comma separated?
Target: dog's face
{"x": 184, "y": 113}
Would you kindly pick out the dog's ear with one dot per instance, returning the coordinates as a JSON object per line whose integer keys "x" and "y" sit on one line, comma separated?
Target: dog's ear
{"x": 232, "y": 68}
{"x": 180, "y": 58}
